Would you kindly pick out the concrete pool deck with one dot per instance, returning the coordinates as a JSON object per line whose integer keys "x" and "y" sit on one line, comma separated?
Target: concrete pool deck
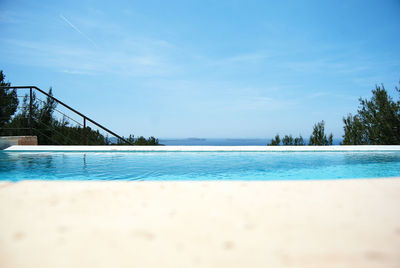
{"x": 334, "y": 223}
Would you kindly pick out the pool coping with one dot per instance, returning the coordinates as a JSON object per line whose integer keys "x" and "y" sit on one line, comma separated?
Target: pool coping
{"x": 201, "y": 148}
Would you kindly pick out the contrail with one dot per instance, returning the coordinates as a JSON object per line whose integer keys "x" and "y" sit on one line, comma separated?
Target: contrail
{"x": 76, "y": 29}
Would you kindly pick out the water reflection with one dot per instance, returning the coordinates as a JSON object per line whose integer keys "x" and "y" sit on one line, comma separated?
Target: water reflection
{"x": 17, "y": 166}
{"x": 197, "y": 166}
{"x": 371, "y": 157}
{"x": 7, "y": 162}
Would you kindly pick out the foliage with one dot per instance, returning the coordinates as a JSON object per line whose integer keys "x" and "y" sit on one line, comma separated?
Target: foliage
{"x": 139, "y": 141}
{"x": 275, "y": 141}
{"x": 298, "y": 141}
{"x": 49, "y": 129}
{"x": 354, "y": 133}
{"x": 287, "y": 140}
{"x": 318, "y": 136}
{"x": 377, "y": 121}
{"x": 152, "y": 141}
{"x": 131, "y": 139}
{"x": 36, "y": 117}
{"x": 8, "y": 102}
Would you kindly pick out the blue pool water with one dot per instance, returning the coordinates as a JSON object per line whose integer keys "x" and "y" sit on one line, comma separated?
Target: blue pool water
{"x": 16, "y": 166}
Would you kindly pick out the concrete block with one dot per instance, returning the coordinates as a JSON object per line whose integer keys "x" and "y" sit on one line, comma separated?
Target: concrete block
{"x": 7, "y": 141}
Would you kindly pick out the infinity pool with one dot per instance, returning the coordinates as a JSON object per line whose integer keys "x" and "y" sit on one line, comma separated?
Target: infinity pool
{"x": 17, "y": 166}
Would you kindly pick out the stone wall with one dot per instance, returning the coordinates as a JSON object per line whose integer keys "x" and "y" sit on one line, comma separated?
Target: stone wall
{"x": 7, "y": 141}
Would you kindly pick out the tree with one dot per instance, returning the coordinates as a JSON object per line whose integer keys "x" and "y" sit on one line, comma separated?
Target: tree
{"x": 152, "y": 141}
{"x": 330, "y": 139}
{"x": 377, "y": 121}
{"x": 287, "y": 140}
{"x": 36, "y": 117}
{"x": 141, "y": 141}
{"x": 131, "y": 139}
{"x": 353, "y": 131}
{"x": 276, "y": 141}
{"x": 318, "y": 136}
{"x": 8, "y": 101}
{"x": 46, "y": 121}
{"x": 47, "y": 127}
{"x": 299, "y": 141}
{"x": 47, "y": 110}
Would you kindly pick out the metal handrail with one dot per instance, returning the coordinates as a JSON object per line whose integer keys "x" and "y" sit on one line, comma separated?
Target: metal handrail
{"x": 63, "y": 114}
{"x": 70, "y": 108}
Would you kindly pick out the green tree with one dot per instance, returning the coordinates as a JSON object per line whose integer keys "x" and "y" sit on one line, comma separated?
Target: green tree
{"x": 8, "y": 101}
{"x": 36, "y": 117}
{"x": 377, "y": 121}
{"x": 318, "y": 136}
{"x": 47, "y": 127}
{"x": 45, "y": 120}
{"x": 275, "y": 141}
{"x": 141, "y": 141}
{"x": 20, "y": 123}
{"x": 287, "y": 140}
{"x": 131, "y": 139}
{"x": 354, "y": 133}
{"x": 298, "y": 141}
{"x": 152, "y": 141}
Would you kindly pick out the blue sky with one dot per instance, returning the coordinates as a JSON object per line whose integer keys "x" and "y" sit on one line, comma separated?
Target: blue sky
{"x": 236, "y": 69}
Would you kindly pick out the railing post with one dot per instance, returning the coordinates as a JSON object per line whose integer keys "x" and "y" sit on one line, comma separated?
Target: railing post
{"x": 30, "y": 110}
{"x": 84, "y": 131}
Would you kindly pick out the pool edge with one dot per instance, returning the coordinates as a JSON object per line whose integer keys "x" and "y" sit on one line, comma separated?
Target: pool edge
{"x": 174, "y": 148}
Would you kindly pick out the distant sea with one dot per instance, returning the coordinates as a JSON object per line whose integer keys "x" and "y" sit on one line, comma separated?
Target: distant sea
{"x": 221, "y": 142}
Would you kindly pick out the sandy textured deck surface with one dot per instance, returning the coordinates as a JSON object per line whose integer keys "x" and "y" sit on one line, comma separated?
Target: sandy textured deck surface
{"x": 348, "y": 223}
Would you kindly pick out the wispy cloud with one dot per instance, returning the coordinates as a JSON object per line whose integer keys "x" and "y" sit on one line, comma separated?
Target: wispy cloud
{"x": 240, "y": 59}
{"x": 221, "y": 97}
{"x": 327, "y": 95}
{"x": 339, "y": 63}
{"x": 68, "y": 71}
{"x": 7, "y": 16}
{"x": 154, "y": 61}
{"x": 76, "y": 29}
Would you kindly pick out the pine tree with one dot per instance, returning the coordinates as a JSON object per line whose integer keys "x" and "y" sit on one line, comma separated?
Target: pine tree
{"x": 353, "y": 131}
{"x": 275, "y": 141}
{"x": 299, "y": 141}
{"x": 8, "y": 102}
{"x": 377, "y": 121}
{"x": 287, "y": 140}
{"x": 318, "y": 136}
